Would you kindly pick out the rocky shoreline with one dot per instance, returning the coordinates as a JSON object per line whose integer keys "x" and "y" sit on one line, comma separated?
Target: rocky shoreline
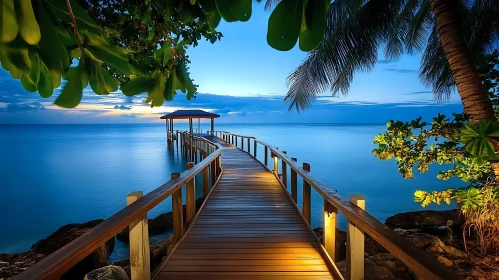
{"x": 438, "y": 232}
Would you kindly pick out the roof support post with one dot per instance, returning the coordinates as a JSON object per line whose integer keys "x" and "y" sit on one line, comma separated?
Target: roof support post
{"x": 212, "y": 126}
{"x": 190, "y": 125}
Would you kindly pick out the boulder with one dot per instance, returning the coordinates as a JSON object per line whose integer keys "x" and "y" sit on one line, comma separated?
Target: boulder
{"x": 68, "y": 233}
{"x": 110, "y": 272}
{"x": 372, "y": 271}
{"x": 13, "y": 264}
{"x": 420, "y": 219}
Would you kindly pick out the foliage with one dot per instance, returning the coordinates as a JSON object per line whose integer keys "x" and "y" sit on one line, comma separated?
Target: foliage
{"x": 138, "y": 45}
{"x": 357, "y": 31}
{"x": 465, "y": 147}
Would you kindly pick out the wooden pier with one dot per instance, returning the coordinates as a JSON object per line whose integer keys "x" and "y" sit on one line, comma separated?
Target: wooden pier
{"x": 249, "y": 226}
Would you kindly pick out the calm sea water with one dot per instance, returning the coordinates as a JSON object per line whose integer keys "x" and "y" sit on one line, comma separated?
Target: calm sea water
{"x": 52, "y": 175}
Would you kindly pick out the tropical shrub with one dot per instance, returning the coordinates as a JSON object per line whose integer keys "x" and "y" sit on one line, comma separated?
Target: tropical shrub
{"x": 467, "y": 148}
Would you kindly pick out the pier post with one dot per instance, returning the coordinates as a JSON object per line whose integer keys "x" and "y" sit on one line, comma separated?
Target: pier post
{"x": 206, "y": 181}
{"x": 276, "y": 164}
{"x": 249, "y": 145}
{"x": 190, "y": 201}
{"x": 284, "y": 172}
{"x": 242, "y": 143}
{"x": 177, "y": 212}
{"x": 139, "y": 243}
{"x": 306, "y": 196}
{"x": 329, "y": 238}
{"x": 266, "y": 156}
{"x": 355, "y": 244}
{"x": 254, "y": 148}
{"x": 294, "y": 183}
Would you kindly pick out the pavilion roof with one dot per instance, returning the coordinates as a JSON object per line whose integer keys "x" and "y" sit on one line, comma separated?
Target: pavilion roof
{"x": 190, "y": 114}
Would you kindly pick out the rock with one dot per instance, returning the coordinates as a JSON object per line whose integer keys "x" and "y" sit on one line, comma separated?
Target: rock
{"x": 454, "y": 252}
{"x": 372, "y": 271}
{"x": 13, "y": 264}
{"x": 444, "y": 233}
{"x": 110, "y": 272}
{"x": 160, "y": 224}
{"x": 445, "y": 261}
{"x": 68, "y": 233}
{"x": 427, "y": 218}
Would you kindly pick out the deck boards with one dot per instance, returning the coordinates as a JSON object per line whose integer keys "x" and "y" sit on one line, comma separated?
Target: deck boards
{"x": 248, "y": 229}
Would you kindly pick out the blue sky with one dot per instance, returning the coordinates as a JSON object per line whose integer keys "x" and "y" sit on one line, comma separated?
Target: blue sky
{"x": 243, "y": 79}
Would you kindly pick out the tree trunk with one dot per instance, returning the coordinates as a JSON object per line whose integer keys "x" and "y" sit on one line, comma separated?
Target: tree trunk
{"x": 475, "y": 98}
{"x": 469, "y": 85}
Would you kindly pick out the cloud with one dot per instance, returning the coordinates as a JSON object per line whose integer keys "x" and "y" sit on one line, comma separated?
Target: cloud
{"x": 401, "y": 70}
{"x": 418, "y": 92}
{"x": 23, "y": 107}
{"x": 122, "y": 107}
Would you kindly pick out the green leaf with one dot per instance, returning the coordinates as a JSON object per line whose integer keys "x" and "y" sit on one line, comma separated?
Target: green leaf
{"x": 30, "y": 80}
{"x": 235, "y": 9}
{"x": 137, "y": 85}
{"x": 15, "y": 57}
{"x": 156, "y": 94}
{"x": 27, "y": 83}
{"x": 224, "y": 10}
{"x": 45, "y": 84}
{"x": 314, "y": 25}
{"x": 52, "y": 51}
{"x": 83, "y": 20}
{"x": 72, "y": 92}
{"x": 112, "y": 55}
{"x": 26, "y": 22}
{"x": 284, "y": 25}
{"x": 170, "y": 88}
{"x": 100, "y": 80}
{"x": 211, "y": 12}
{"x": 8, "y": 23}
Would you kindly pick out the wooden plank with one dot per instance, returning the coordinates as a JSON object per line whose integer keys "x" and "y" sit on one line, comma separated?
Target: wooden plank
{"x": 247, "y": 225}
{"x": 229, "y": 276}
{"x": 306, "y": 197}
{"x": 190, "y": 201}
{"x": 329, "y": 237}
{"x": 139, "y": 244}
{"x": 294, "y": 183}
{"x": 177, "y": 213}
{"x": 355, "y": 245}
{"x": 59, "y": 262}
{"x": 421, "y": 262}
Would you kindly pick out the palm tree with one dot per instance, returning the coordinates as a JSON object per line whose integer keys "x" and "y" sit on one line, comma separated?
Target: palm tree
{"x": 451, "y": 33}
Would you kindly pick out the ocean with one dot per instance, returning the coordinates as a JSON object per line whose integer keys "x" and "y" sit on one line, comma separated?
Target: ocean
{"x": 53, "y": 175}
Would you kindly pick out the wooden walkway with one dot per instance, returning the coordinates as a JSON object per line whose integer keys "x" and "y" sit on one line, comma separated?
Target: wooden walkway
{"x": 248, "y": 229}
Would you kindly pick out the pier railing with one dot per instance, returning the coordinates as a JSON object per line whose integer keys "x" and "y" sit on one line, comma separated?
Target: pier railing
{"x": 360, "y": 222}
{"x": 134, "y": 216}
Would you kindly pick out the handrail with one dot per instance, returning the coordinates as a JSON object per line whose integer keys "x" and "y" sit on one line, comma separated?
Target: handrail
{"x": 62, "y": 260}
{"x": 419, "y": 261}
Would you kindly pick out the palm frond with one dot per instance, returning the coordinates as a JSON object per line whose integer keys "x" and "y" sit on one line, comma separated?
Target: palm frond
{"x": 434, "y": 70}
{"x": 419, "y": 27}
{"x": 269, "y": 4}
{"x": 350, "y": 44}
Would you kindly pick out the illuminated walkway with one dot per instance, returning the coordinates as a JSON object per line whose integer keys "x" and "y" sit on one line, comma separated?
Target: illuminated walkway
{"x": 249, "y": 228}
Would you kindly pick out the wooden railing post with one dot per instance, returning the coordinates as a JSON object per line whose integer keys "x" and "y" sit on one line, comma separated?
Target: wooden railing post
{"x": 294, "y": 183}
{"x": 266, "y": 156}
{"x": 329, "y": 237}
{"x": 242, "y": 143}
{"x": 213, "y": 172}
{"x": 249, "y": 146}
{"x": 206, "y": 181}
{"x": 139, "y": 244}
{"x": 236, "y": 142}
{"x": 306, "y": 196}
{"x": 355, "y": 245}
{"x": 276, "y": 164}
{"x": 190, "y": 200}
{"x": 254, "y": 148}
{"x": 284, "y": 171}
{"x": 177, "y": 212}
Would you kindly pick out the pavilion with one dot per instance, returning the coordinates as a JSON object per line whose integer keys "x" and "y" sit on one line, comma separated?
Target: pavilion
{"x": 190, "y": 115}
